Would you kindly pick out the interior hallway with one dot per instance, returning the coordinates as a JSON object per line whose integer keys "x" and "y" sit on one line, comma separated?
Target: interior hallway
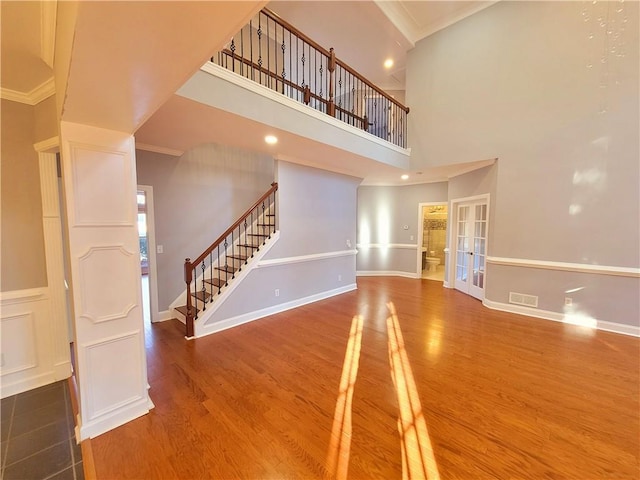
{"x": 319, "y": 392}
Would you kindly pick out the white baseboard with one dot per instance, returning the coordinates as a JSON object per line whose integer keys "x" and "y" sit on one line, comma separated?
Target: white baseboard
{"x": 115, "y": 418}
{"x": 620, "y": 328}
{"x": 386, "y": 273}
{"x": 257, "y": 314}
{"x": 163, "y": 316}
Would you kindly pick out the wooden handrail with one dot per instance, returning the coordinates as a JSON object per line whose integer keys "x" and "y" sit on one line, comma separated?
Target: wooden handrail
{"x": 197, "y": 261}
{"x": 329, "y": 54}
{"x": 289, "y": 83}
{"x": 266, "y": 71}
{"x": 276, "y": 18}
{"x": 371, "y": 85}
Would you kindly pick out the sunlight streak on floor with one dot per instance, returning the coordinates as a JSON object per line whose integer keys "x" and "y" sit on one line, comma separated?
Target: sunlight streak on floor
{"x": 340, "y": 444}
{"x": 418, "y": 461}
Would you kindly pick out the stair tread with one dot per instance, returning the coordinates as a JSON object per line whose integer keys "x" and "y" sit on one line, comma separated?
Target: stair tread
{"x": 216, "y": 282}
{"x": 228, "y": 269}
{"x": 249, "y": 246}
{"x": 202, "y": 296}
{"x": 237, "y": 256}
{"x": 270, "y": 214}
{"x": 265, "y": 235}
{"x": 183, "y": 310}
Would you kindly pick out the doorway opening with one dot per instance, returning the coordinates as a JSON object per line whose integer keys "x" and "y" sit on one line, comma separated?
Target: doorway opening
{"x": 143, "y": 239}
{"x": 432, "y": 240}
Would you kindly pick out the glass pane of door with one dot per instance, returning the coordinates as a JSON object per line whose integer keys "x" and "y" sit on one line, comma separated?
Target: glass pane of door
{"x": 479, "y": 245}
{"x": 462, "y": 244}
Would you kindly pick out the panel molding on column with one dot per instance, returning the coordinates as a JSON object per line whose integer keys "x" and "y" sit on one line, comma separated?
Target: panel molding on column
{"x": 92, "y": 169}
{"x": 104, "y": 287}
{"x": 99, "y": 173}
{"x": 115, "y": 400}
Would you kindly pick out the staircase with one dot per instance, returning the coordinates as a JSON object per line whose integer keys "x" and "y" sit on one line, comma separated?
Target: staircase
{"x": 227, "y": 259}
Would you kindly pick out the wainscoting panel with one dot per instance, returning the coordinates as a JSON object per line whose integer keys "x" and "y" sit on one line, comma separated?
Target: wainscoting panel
{"x": 27, "y": 358}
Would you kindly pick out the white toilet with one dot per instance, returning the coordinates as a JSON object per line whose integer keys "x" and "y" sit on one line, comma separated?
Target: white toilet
{"x": 432, "y": 262}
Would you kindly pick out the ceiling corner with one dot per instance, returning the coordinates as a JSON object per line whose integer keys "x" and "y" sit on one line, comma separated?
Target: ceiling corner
{"x": 400, "y": 19}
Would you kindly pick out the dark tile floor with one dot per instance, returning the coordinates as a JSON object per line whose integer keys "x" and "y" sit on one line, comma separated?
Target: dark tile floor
{"x": 38, "y": 440}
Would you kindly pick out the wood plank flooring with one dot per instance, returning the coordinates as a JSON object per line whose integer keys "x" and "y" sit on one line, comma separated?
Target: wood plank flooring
{"x": 445, "y": 388}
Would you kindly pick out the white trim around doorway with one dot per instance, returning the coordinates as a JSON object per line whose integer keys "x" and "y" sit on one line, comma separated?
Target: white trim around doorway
{"x": 451, "y": 243}
{"x": 153, "y": 268}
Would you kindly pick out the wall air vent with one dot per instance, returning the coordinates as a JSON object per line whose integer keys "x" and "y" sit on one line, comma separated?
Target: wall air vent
{"x": 523, "y": 299}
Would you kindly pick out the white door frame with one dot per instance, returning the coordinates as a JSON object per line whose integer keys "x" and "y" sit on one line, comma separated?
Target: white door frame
{"x": 420, "y": 235}
{"x": 153, "y": 269}
{"x": 453, "y": 221}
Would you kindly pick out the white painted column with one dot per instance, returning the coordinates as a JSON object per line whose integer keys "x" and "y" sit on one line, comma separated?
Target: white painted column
{"x": 54, "y": 253}
{"x": 100, "y": 192}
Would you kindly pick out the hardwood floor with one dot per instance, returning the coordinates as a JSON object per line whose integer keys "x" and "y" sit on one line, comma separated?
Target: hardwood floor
{"x": 445, "y": 388}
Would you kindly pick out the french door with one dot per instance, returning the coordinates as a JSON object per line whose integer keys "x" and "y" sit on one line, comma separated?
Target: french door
{"x": 471, "y": 248}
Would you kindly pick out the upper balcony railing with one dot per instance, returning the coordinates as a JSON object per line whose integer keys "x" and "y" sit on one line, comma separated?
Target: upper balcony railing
{"x": 274, "y": 53}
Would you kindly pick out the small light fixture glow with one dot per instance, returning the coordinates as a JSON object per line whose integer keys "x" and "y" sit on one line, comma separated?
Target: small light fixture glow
{"x": 404, "y": 177}
{"x": 388, "y": 63}
{"x": 271, "y": 139}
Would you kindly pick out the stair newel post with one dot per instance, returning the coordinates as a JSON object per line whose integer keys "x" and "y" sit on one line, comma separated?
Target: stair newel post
{"x": 331, "y": 109}
{"x": 188, "y": 277}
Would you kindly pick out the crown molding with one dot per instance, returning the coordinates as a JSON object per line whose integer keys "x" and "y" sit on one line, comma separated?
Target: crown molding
{"x": 48, "y": 11}
{"x": 460, "y": 15}
{"x": 401, "y": 19}
{"x": 34, "y": 97}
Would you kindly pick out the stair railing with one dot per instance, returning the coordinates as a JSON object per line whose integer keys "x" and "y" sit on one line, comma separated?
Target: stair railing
{"x": 225, "y": 257}
{"x": 274, "y": 53}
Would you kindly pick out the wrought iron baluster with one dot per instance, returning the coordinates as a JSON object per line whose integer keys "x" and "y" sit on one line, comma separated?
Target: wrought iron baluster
{"x": 283, "y": 47}
{"x": 245, "y": 239}
{"x": 218, "y": 270}
{"x": 232, "y": 47}
{"x": 268, "y": 54}
{"x": 195, "y": 291}
{"x": 204, "y": 289}
{"x": 260, "y": 47}
{"x": 211, "y": 275}
{"x": 253, "y": 70}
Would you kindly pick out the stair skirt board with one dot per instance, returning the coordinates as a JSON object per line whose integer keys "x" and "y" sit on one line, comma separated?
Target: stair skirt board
{"x": 220, "y": 298}
{"x": 204, "y": 330}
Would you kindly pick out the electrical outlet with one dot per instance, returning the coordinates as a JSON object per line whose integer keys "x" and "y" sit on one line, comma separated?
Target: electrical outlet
{"x": 568, "y": 301}
{"x": 348, "y": 243}
{"x": 160, "y": 249}
{"x": 410, "y": 237}
{"x": 277, "y": 292}
{"x": 339, "y": 278}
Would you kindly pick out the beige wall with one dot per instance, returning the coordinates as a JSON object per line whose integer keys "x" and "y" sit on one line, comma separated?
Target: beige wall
{"x": 46, "y": 120}
{"x": 23, "y": 261}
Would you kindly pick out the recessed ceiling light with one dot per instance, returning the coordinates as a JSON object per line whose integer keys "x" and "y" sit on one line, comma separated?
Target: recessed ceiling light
{"x": 271, "y": 139}
{"x": 388, "y": 63}
{"x": 404, "y": 177}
